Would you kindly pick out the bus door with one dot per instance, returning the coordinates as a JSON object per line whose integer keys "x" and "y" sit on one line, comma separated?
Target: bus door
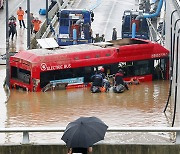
{"x": 161, "y": 70}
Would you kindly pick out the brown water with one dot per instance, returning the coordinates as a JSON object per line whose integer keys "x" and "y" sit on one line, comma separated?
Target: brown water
{"x": 142, "y": 105}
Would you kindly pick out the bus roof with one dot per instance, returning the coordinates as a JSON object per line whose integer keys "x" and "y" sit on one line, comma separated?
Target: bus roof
{"x": 124, "y": 50}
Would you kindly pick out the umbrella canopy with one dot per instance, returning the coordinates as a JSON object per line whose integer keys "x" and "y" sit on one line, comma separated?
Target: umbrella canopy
{"x": 84, "y": 132}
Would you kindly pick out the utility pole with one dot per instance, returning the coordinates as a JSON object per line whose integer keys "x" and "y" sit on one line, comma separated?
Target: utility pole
{"x": 7, "y": 45}
{"x": 28, "y": 25}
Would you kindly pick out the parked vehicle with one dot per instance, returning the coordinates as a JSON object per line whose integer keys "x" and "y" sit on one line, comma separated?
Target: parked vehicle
{"x": 74, "y": 26}
{"x": 34, "y": 69}
{"x": 142, "y": 28}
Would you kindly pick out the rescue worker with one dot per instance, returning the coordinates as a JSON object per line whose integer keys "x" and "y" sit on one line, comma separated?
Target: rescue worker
{"x": 97, "y": 38}
{"x": 101, "y": 71}
{"x": 134, "y": 81}
{"x": 13, "y": 18}
{"x": 97, "y": 80}
{"x": 80, "y": 20}
{"x": 106, "y": 83}
{"x": 86, "y": 29}
{"x": 36, "y": 22}
{"x": 31, "y": 19}
{"x": 12, "y": 28}
{"x": 114, "y": 34}
{"x": 20, "y": 14}
{"x": 102, "y": 38}
{"x": 119, "y": 79}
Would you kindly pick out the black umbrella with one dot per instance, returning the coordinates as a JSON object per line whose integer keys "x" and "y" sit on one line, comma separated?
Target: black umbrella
{"x": 84, "y": 132}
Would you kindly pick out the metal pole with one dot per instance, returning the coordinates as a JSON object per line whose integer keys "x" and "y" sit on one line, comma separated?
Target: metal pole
{"x": 28, "y": 25}
{"x": 47, "y": 20}
{"x": 7, "y": 45}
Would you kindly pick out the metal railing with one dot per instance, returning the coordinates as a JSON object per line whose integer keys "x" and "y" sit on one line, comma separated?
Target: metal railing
{"x": 55, "y": 9}
{"x": 27, "y": 130}
{"x": 45, "y": 30}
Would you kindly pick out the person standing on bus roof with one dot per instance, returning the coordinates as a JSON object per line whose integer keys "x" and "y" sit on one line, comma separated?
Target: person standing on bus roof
{"x": 114, "y": 34}
{"x": 20, "y": 14}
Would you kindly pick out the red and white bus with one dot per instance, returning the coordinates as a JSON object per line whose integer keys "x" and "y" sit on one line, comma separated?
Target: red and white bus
{"x": 33, "y": 70}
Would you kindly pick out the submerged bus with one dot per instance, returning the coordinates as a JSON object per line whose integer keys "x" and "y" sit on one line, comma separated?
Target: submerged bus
{"x": 73, "y": 66}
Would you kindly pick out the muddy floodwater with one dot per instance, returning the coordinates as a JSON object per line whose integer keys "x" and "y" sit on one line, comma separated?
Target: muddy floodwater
{"x": 141, "y": 105}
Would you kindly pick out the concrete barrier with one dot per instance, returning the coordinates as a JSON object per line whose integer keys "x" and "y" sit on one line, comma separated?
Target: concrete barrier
{"x": 97, "y": 149}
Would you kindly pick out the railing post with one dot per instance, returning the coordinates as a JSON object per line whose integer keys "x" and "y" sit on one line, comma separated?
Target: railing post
{"x": 25, "y": 138}
{"x": 178, "y": 137}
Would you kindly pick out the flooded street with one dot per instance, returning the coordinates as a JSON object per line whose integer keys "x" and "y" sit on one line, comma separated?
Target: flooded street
{"x": 142, "y": 105}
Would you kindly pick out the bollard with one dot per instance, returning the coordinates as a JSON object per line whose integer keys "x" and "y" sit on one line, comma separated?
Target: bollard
{"x": 25, "y": 138}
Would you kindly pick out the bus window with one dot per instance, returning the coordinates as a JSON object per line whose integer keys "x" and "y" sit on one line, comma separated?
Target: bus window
{"x": 64, "y": 22}
{"x": 142, "y": 67}
{"x": 64, "y": 15}
{"x": 20, "y": 74}
{"x": 88, "y": 72}
{"x": 64, "y": 19}
{"x": 128, "y": 69}
{"x": 160, "y": 69}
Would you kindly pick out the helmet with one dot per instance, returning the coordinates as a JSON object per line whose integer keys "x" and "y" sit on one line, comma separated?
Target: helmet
{"x": 102, "y": 69}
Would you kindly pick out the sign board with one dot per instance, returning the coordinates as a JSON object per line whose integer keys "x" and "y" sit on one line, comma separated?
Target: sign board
{"x": 47, "y": 43}
{"x": 78, "y": 80}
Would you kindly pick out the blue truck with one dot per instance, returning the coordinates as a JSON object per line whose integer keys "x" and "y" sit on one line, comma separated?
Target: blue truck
{"x": 74, "y": 26}
{"x": 142, "y": 28}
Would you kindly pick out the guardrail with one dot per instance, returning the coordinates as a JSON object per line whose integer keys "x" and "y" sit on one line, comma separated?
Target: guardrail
{"x": 27, "y": 130}
{"x": 154, "y": 29}
{"x": 54, "y": 18}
